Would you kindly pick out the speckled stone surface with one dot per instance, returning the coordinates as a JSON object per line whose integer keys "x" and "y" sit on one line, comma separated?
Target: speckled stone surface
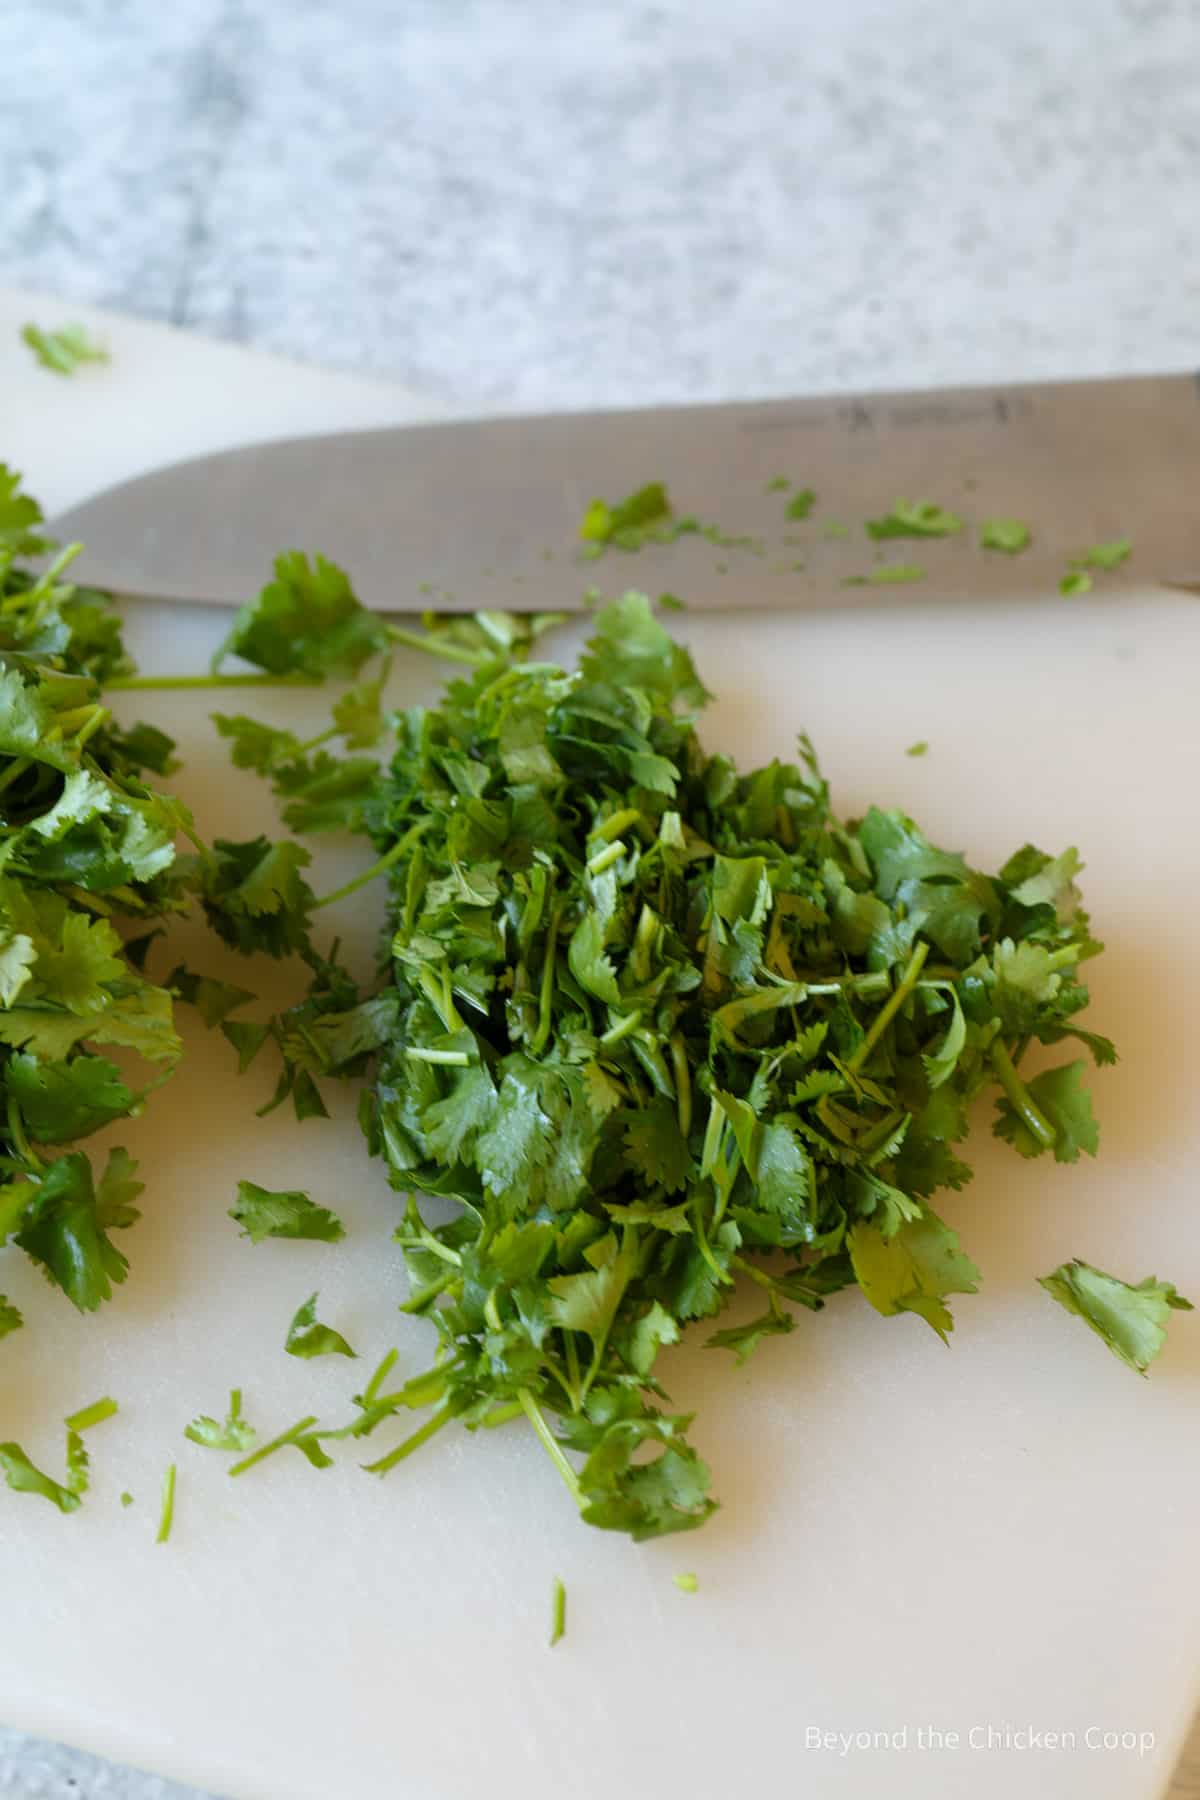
{"x": 535, "y": 205}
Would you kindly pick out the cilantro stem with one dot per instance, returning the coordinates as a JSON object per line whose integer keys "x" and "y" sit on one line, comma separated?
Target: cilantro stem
{"x": 16, "y": 1133}
{"x": 558, "y": 1611}
{"x": 614, "y": 826}
{"x": 166, "y": 1517}
{"x": 550, "y": 1444}
{"x": 604, "y": 859}
{"x": 888, "y": 1011}
{"x": 451, "y": 1059}
{"x": 277, "y": 1443}
{"x": 433, "y": 646}
{"x": 705, "y": 1248}
{"x": 546, "y": 992}
{"x": 413, "y": 1442}
{"x": 371, "y": 1391}
{"x": 14, "y": 771}
{"x": 1034, "y": 1120}
{"x": 147, "y": 683}
{"x": 683, "y": 1085}
{"x": 622, "y": 1028}
{"x": 572, "y": 1355}
{"x": 503, "y": 1415}
{"x": 381, "y": 867}
{"x": 88, "y": 1416}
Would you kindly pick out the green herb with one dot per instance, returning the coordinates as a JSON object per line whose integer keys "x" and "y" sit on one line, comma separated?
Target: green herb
{"x": 234, "y": 1433}
{"x": 778, "y": 484}
{"x": 126, "y": 1499}
{"x": 24, "y": 1478}
{"x": 1131, "y": 1320}
{"x": 264, "y": 1214}
{"x": 1009, "y": 535}
{"x": 920, "y": 748}
{"x": 627, "y": 523}
{"x": 78, "y": 1478}
{"x": 96, "y": 1414}
{"x": 10, "y": 1318}
{"x": 654, "y": 1027}
{"x": 166, "y": 1516}
{"x": 1075, "y": 583}
{"x": 1105, "y": 556}
{"x": 307, "y": 1338}
{"x": 687, "y": 1584}
{"x": 64, "y": 350}
{"x": 886, "y": 575}
{"x": 300, "y": 1436}
{"x": 914, "y": 518}
{"x": 558, "y": 1612}
{"x": 800, "y": 505}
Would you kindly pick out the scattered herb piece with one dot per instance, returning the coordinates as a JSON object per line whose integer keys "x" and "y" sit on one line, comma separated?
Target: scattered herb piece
{"x": 558, "y": 1612}
{"x": 166, "y": 1516}
{"x": 301, "y": 1436}
{"x": 886, "y": 575}
{"x": 234, "y": 1433}
{"x": 801, "y": 504}
{"x": 307, "y": 1338}
{"x": 1105, "y": 556}
{"x": 918, "y": 749}
{"x": 914, "y": 518}
{"x": 687, "y": 1583}
{"x": 87, "y": 1416}
{"x": 64, "y": 350}
{"x": 1131, "y": 1320}
{"x": 1076, "y": 582}
{"x": 24, "y": 1478}
{"x": 10, "y": 1318}
{"x": 126, "y": 1499}
{"x": 778, "y": 484}
{"x": 627, "y": 523}
{"x": 264, "y": 1214}
{"x": 1008, "y": 535}
{"x": 77, "y": 1465}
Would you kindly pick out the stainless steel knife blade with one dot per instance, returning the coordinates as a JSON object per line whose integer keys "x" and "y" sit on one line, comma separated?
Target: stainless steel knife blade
{"x": 486, "y": 514}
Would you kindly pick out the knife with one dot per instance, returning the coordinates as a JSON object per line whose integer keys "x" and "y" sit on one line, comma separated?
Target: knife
{"x": 486, "y": 513}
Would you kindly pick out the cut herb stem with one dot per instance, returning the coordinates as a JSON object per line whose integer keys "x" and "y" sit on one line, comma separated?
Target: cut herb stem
{"x": 152, "y": 683}
{"x": 888, "y": 1011}
{"x": 166, "y": 1517}
{"x": 422, "y": 1436}
{"x": 399, "y": 848}
{"x": 550, "y": 1444}
{"x": 1020, "y": 1098}
{"x": 277, "y": 1443}
{"x": 88, "y": 1416}
{"x": 558, "y": 1611}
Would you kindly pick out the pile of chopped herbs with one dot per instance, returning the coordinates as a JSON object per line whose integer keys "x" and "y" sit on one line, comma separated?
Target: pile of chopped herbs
{"x": 649, "y": 1026}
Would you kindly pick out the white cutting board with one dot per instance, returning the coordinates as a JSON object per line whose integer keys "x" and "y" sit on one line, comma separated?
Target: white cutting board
{"x": 998, "y": 1535}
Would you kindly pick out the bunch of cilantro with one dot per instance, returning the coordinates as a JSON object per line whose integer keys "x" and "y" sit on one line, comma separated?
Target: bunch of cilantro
{"x": 648, "y": 1026}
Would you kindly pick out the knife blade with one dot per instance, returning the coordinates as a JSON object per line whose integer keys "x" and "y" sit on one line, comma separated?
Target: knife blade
{"x": 486, "y": 513}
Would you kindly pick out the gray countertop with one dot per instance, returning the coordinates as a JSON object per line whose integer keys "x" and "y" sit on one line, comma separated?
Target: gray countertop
{"x": 537, "y": 205}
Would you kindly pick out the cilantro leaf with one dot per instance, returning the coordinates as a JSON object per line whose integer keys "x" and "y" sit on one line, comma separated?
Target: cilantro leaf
{"x": 24, "y": 1478}
{"x": 743, "y": 1340}
{"x": 234, "y": 1433}
{"x": 914, "y": 518}
{"x": 1009, "y": 535}
{"x": 262, "y": 1214}
{"x": 801, "y": 504}
{"x": 307, "y": 1338}
{"x": 307, "y": 620}
{"x": 1059, "y": 1094}
{"x": 63, "y": 351}
{"x": 1132, "y": 1321}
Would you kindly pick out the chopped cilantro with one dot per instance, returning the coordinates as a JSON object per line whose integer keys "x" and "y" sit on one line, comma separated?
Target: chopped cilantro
{"x": 87, "y": 1416}
{"x": 262, "y": 1214}
{"x": 234, "y": 1433}
{"x": 558, "y": 1612}
{"x": 10, "y": 1318}
{"x": 627, "y": 523}
{"x": 920, "y": 748}
{"x": 653, "y": 1026}
{"x": 126, "y": 1499}
{"x": 801, "y": 504}
{"x": 886, "y": 575}
{"x": 1008, "y": 535}
{"x": 1105, "y": 556}
{"x": 166, "y": 1515}
{"x": 64, "y": 350}
{"x": 914, "y": 518}
{"x": 1132, "y": 1321}
{"x": 301, "y": 1436}
{"x": 307, "y": 1338}
{"x": 24, "y": 1478}
{"x": 686, "y": 1583}
{"x": 778, "y": 484}
{"x": 1075, "y": 582}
